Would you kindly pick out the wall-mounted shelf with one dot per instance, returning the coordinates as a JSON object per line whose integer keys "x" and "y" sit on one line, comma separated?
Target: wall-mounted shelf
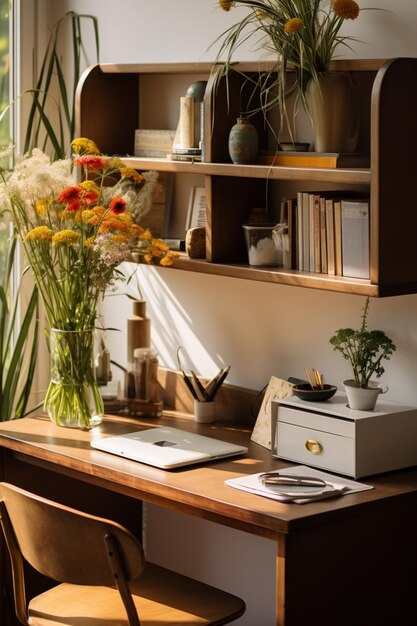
{"x": 114, "y": 100}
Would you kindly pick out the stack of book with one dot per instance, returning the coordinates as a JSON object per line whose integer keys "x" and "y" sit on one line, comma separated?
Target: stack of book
{"x": 329, "y": 232}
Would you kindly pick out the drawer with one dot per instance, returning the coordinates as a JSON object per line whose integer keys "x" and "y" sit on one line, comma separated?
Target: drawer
{"x": 314, "y": 447}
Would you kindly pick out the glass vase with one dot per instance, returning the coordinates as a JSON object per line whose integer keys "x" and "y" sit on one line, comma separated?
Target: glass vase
{"x": 73, "y": 397}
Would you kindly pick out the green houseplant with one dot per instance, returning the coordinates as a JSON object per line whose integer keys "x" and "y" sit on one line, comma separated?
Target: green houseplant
{"x": 18, "y": 338}
{"x": 365, "y": 350}
{"x": 302, "y": 34}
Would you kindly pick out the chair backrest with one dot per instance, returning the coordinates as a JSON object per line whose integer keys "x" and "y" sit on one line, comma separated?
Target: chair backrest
{"x": 65, "y": 544}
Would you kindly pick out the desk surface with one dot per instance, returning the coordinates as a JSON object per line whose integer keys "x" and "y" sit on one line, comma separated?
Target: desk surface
{"x": 198, "y": 490}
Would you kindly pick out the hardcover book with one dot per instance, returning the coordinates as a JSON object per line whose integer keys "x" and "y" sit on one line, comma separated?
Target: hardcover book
{"x": 355, "y": 238}
{"x": 315, "y": 159}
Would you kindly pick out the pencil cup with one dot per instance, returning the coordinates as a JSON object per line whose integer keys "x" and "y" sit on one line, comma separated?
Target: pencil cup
{"x": 204, "y": 412}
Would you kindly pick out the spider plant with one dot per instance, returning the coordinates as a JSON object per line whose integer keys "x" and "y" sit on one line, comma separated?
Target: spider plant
{"x": 18, "y": 341}
{"x": 41, "y": 132}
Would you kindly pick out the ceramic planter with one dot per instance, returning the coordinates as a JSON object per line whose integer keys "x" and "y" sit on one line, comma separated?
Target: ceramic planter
{"x": 360, "y": 399}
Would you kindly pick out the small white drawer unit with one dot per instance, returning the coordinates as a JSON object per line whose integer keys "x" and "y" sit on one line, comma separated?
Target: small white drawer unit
{"x": 330, "y": 436}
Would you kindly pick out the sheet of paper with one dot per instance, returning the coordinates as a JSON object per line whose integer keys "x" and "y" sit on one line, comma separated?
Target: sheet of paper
{"x": 277, "y": 388}
{"x": 335, "y": 485}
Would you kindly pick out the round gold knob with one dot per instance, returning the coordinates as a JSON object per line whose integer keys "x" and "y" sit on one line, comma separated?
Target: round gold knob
{"x": 313, "y": 446}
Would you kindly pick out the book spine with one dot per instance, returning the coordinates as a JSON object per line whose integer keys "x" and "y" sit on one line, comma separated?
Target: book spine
{"x": 306, "y": 232}
{"x": 323, "y": 236}
{"x": 337, "y": 237}
{"x": 316, "y": 234}
{"x": 299, "y": 231}
{"x": 355, "y": 238}
{"x": 330, "y": 237}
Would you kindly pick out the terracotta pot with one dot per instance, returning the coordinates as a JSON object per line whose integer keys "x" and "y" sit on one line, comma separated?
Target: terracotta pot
{"x": 334, "y": 112}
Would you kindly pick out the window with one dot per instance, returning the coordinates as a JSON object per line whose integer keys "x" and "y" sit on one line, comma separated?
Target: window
{"x": 5, "y": 23}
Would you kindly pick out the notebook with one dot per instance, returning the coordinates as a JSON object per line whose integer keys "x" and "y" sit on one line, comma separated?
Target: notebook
{"x": 167, "y": 447}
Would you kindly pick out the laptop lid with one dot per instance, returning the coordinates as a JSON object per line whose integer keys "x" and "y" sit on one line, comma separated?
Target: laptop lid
{"x": 167, "y": 447}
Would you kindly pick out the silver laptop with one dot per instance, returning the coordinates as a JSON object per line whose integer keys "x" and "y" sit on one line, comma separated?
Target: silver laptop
{"x": 167, "y": 447}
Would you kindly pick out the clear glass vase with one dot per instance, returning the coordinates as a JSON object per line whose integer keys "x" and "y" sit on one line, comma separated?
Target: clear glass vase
{"x": 73, "y": 397}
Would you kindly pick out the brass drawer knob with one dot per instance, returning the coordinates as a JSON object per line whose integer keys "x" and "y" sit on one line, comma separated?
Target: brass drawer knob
{"x": 313, "y": 446}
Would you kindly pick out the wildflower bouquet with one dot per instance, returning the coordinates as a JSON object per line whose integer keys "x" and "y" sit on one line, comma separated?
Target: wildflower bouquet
{"x": 75, "y": 235}
{"x": 303, "y": 33}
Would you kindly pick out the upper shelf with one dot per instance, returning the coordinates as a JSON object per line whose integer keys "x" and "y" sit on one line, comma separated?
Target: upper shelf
{"x": 111, "y": 99}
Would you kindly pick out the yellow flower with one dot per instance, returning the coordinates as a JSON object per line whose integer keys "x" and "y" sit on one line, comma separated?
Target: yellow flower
{"x": 41, "y": 207}
{"x": 82, "y": 145}
{"x": 116, "y": 163}
{"x": 261, "y": 15}
{"x": 89, "y": 217}
{"x": 39, "y": 233}
{"x": 160, "y": 245}
{"x": 119, "y": 238}
{"x": 90, "y": 186}
{"x": 347, "y": 9}
{"x": 168, "y": 259}
{"x": 146, "y": 236}
{"x": 226, "y": 5}
{"x": 294, "y": 25}
{"x": 130, "y": 172}
{"x": 65, "y": 237}
{"x": 89, "y": 242}
{"x": 125, "y": 218}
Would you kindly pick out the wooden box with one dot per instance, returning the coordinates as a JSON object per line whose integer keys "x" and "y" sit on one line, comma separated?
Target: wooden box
{"x": 330, "y": 436}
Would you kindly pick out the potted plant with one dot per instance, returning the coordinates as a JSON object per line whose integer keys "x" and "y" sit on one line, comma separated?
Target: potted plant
{"x": 18, "y": 336}
{"x": 365, "y": 350}
{"x": 304, "y": 35}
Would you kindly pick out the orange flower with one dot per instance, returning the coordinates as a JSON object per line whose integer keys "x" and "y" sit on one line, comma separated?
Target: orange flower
{"x": 294, "y": 25}
{"x": 226, "y": 5}
{"x": 347, "y": 9}
{"x": 117, "y": 205}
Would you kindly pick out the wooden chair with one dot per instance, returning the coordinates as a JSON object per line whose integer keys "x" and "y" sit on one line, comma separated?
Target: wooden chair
{"x": 101, "y": 568}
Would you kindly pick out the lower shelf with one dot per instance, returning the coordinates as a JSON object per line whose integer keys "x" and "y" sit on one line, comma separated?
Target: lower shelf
{"x": 280, "y": 276}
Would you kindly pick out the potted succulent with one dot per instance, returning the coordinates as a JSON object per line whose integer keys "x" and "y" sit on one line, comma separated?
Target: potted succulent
{"x": 365, "y": 350}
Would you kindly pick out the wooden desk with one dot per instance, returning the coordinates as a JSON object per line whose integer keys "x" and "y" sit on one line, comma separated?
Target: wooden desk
{"x": 350, "y": 561}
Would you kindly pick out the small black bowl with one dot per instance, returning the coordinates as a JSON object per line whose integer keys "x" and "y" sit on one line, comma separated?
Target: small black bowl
{"x": 306, "y": 392}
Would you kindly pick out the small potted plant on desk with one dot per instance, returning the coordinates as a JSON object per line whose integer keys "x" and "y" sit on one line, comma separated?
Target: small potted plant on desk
{"x": 365, "y": 350}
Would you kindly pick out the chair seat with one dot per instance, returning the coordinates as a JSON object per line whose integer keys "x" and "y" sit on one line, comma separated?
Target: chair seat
{"x": 161, "y": 597}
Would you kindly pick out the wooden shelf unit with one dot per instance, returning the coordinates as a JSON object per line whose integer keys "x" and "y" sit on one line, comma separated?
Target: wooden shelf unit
{"x": 111, "y": 100}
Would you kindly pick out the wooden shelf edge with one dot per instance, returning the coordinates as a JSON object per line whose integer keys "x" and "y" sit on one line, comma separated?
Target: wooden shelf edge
{"x": 315, "y": 174}
{"x": 292, "y": 278}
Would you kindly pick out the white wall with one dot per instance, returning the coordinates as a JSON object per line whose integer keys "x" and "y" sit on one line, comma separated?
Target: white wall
{"x": 259, "y": 329}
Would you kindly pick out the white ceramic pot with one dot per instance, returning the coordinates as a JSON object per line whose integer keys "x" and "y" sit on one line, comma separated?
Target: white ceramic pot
{"x": 363, "y": 399}
{"x": 204, "y": 412}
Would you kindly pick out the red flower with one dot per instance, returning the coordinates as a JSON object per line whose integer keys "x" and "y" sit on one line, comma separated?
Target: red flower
{"x": 117, "y": 205}
{"x": 88, "y": 198}
{"x": 92, "y": 161}
{"x": 70, "y": 195}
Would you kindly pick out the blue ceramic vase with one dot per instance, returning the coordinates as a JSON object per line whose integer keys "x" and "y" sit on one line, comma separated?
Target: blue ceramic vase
{"x": 243, "y": 142}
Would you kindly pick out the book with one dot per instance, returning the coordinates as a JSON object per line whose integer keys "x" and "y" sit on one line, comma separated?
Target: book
{"x": 355, "y": 237}
{"x": 188, "y": 151}
{"x": 323, "y": 236}
{"x": 316, "y": 233}
{"x": 315, "y": 159}
{"x": 191, "y": 158}
{"x": 299, "y": 231}
{"x": 306, "y": 231}
{"x": 337, "y": 237}
{"x": 153, "y": 143}
{"x": 331, "y": 260}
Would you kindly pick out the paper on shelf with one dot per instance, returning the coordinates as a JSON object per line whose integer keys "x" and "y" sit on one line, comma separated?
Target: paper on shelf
{"x": 335, "y": 485}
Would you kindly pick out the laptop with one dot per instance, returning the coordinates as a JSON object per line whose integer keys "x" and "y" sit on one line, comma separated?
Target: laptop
{"x": 167, "y": 447}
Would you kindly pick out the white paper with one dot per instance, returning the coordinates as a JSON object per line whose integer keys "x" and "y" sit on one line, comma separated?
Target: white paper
{"x": 335, "y": 485}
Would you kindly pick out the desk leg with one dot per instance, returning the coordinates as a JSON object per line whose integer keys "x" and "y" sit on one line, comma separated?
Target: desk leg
{"x": 280, "y": 599}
